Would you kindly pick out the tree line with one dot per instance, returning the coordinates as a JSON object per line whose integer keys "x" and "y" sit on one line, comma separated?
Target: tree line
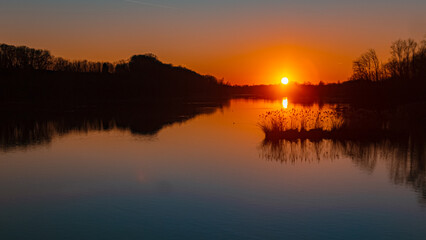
{"x": 401, "y": 78}
{"x": 34, "y": 74}
{"x": 25, "y": 58}
{"x": 407, "y": 63}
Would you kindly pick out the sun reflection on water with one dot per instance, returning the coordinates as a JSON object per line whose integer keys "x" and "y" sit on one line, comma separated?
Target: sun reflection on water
{"x": 285, "y": 103}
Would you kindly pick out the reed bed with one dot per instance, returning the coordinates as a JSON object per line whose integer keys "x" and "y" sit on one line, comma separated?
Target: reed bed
{"x": 343, "y": 123}
{"x": 298, "y": 122}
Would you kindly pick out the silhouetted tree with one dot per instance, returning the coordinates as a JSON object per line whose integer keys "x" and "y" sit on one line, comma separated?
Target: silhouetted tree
{"x": 147, "y": 62}
{"x": 402, "y": 62}
{"x": 122, "y": 67}
{"x": 367, "y": 67}
{"x": 60, "y": 64}
{"x": 105, "y": 68}
{"x": 24, "y": 58}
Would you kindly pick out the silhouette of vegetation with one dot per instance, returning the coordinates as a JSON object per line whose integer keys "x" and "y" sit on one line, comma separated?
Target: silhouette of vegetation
{"x": 303, "y": 123}
{"x": 368, "y": 68}
{"x": 344, "y": 123}
{"x": 35, "y": 75}
{"x": 402, "y": 79}
{"x": 30, "y": 75}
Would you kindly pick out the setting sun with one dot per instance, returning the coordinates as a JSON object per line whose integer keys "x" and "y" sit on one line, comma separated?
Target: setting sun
{"x": 284, "y": 80}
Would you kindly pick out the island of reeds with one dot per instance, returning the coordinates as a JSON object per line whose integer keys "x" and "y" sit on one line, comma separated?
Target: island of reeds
{"x": 345, "y": 123}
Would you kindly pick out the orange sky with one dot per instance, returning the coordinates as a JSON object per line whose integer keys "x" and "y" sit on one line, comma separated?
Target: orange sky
{"x": 244, "y": 42}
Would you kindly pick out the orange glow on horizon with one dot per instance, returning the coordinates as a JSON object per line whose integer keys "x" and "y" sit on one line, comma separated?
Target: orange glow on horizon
{"x": 305, "y": 44}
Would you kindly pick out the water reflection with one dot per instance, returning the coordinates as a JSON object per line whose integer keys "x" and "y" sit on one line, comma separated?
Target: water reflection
{"x": 285, "y": 103}
{"x": 292, "y": 152}
{"x": 405, "y": 158}
{"x": 365, "y": 136}
{"x": 202, "y": 176}
{"x": 23, "y": 127}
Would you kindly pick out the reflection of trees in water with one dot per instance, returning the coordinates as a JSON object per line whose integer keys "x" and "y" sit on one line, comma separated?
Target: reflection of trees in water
{"x": 27, "y": 127}
{"x": 286, "y": 151}
{"x": 405, "y": 158}
{"x": 36, "y": 131}
{"x": 409, "y": 166}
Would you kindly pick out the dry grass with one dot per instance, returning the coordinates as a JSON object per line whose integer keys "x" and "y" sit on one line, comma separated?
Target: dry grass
{"x": 347, "y": 123}
{"x": 301, "y": 119}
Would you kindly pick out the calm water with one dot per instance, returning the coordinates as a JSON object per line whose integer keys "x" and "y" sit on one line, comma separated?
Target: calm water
{"x": 204, "y": 174}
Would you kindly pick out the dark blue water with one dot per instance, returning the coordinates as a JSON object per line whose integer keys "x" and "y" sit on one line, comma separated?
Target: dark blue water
{"x": 209, "y": 177}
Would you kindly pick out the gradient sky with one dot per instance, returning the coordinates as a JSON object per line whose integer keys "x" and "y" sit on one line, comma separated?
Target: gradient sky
{"x": 244, "y": 42}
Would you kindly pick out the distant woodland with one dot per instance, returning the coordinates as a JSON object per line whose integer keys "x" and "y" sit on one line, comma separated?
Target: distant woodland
{"x": 28, "y": 74}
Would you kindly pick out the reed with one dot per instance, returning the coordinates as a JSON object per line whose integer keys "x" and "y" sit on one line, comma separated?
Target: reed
{"x": 347, "y": 124}
{"x": 300, "y": 122}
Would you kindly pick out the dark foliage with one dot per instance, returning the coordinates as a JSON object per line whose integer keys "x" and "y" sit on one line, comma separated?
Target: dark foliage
{"x": 30, "y": 75}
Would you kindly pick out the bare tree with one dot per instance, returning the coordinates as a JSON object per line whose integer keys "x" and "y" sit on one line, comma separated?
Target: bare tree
{"x": 367, "y": 67}
{"x": 402, "y": 62}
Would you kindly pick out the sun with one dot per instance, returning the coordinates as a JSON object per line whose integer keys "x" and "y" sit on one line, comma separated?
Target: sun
{"x": 284, "y": 80}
